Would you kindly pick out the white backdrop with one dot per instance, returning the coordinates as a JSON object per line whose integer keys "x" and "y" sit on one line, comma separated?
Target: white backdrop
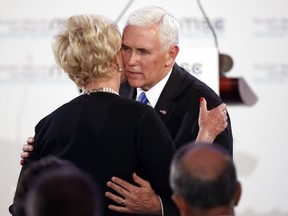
{"x": 254, "y": 33}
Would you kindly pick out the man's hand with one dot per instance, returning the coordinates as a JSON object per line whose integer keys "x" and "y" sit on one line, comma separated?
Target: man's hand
{"x": 211, "y": 122}
{"x": 27, "y": 148}
{"x": 139, "y": 199}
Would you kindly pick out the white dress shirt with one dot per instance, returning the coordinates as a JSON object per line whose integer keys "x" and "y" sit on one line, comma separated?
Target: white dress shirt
{"x": 153, "y": 94}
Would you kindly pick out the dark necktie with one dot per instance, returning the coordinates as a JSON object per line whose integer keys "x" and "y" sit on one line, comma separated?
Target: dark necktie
{"x": 143, "y": 98}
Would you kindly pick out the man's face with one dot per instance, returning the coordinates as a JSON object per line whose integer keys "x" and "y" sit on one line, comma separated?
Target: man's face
{"x": 143, "y": 58}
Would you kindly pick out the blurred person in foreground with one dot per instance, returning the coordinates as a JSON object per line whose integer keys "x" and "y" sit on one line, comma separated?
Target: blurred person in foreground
{"x": 204, "y": 181}
{"x": 44, "y": 165}
{"x": 35, "y": 169}
{"x": 63, "y": 191}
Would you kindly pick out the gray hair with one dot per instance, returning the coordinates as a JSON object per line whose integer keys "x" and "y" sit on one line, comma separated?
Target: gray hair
{"x": 154, "y": 15}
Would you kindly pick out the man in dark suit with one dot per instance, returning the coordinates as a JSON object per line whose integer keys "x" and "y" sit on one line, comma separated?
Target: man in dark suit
{"x": 149, "y": 50}
{"x": 178, "y": 107}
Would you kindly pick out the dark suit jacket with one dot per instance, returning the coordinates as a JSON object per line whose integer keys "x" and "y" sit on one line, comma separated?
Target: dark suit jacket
{"x": 178, "y": 107}
{"x": 108, "y": 135}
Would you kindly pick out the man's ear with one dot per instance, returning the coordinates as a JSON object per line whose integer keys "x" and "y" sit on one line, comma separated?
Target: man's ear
{"x": 238, "y": 193}
{"x": 172, "y": 54}
{"x": 181, "y": 204}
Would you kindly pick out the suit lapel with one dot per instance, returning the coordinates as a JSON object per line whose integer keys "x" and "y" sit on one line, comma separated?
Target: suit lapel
{"x": 165, "y": 104}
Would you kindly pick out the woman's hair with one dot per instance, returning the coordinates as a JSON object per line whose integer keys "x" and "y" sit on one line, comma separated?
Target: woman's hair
{"x": 87, "y": 47}
{"x": 154, "y": 15}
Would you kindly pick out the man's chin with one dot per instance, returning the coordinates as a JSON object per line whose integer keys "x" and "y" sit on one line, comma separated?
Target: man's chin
{"x": 134, "y": 83}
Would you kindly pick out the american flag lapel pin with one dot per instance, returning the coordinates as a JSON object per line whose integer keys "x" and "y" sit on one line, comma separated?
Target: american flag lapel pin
{"x": 163, "y": 111}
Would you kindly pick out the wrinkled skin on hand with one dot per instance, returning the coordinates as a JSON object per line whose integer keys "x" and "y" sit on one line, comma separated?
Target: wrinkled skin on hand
{"x": 139, "y": 198}
{"x": 211, "y": 122}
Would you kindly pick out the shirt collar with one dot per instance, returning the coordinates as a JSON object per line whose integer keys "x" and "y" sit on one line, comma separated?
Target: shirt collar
{"x": 153, "y": 94}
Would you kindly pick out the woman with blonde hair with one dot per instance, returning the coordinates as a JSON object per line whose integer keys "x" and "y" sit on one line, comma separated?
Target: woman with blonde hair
{"x": 101, "y": 132}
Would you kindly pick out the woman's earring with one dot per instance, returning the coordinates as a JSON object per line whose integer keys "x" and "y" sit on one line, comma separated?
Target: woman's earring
{"x": 120, "y": 68}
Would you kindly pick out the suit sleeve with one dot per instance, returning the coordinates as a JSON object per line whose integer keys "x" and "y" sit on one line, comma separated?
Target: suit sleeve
{"x": 225, "y": 139}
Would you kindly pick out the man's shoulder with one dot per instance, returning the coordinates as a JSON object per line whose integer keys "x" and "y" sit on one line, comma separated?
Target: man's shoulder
{"x": 183, "y": 77}
{"x": 187, "y": 80}
{"x": 187, "y": 84}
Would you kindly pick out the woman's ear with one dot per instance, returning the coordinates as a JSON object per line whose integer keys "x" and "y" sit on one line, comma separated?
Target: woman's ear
{"x": 118, "y": 61}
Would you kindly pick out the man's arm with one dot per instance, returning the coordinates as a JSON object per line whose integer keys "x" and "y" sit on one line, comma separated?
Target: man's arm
{"x": 140, "y": 199}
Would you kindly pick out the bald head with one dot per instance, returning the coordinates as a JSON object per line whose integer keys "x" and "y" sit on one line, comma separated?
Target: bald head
{"x": 204, "y": 176}
{"x": 205, "y": 162}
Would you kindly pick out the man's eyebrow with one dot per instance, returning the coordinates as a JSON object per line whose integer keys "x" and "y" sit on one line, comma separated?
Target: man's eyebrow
{"x": 142, "y": 49}
{"x": 137, "y": 48}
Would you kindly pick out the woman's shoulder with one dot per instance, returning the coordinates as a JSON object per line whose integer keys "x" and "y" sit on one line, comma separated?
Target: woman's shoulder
{"x": 135, "y": 104}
